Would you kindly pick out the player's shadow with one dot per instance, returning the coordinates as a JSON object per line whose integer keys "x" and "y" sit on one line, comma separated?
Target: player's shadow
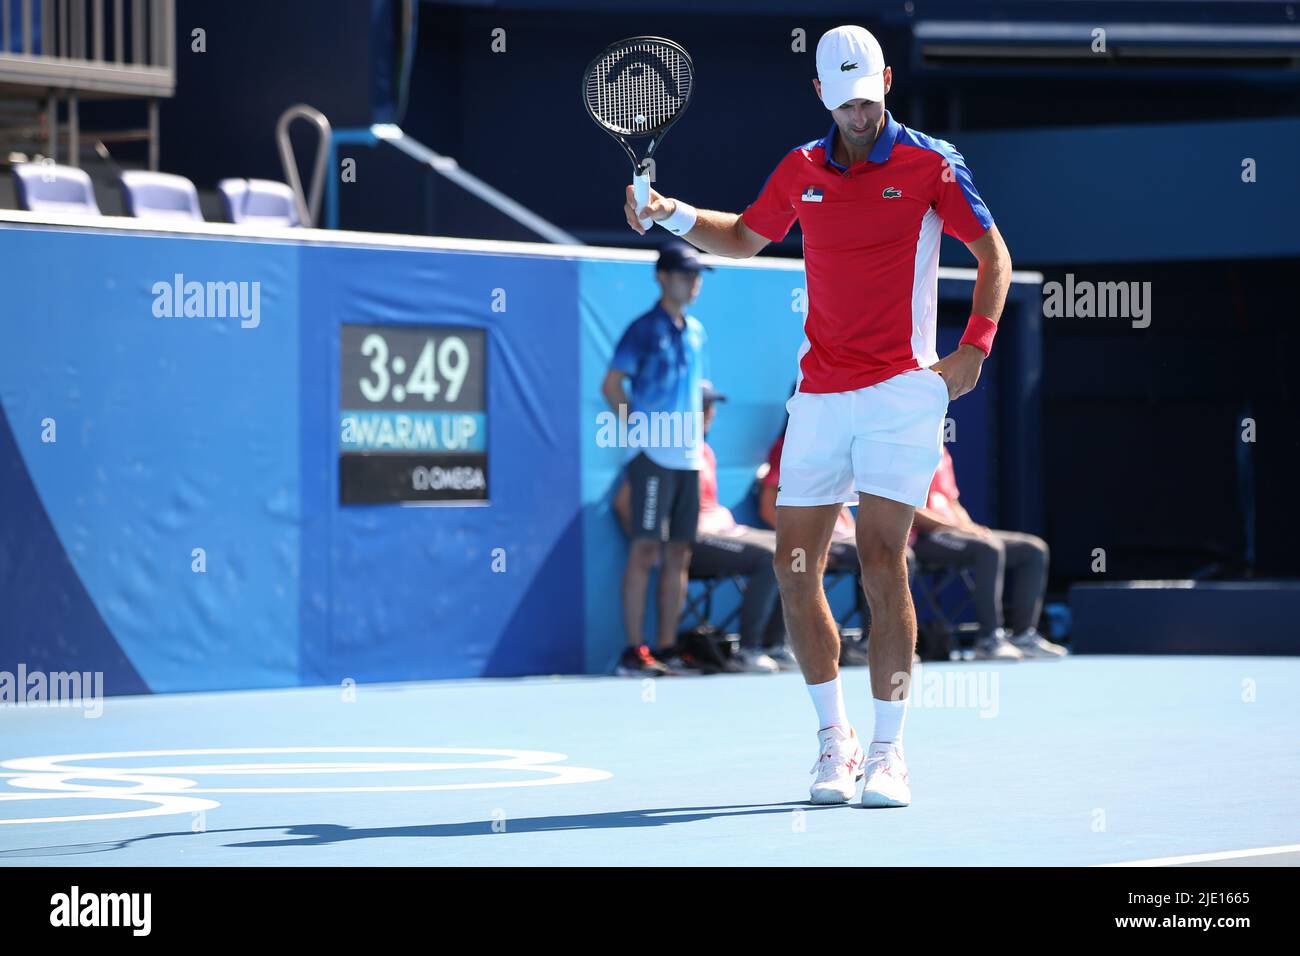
{"x": 326, "y": 834}
{"x": 329, "y": 834}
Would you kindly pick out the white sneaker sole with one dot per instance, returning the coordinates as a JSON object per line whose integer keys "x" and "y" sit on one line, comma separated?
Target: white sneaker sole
{"x": 828, "y": 795}
{"x": 832, "y": 795}
{"x": 874, "y": 800}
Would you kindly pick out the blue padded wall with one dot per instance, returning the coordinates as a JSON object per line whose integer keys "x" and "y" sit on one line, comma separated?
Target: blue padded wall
{"x": 181, "y": 433}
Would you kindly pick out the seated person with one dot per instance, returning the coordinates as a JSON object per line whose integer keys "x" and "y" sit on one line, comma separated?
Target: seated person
{"x": 944, "y": 534}
{"x": 724, "y": 548}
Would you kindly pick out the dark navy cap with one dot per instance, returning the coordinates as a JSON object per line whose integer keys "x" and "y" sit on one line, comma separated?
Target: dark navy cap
{"x": 680, "y": 257}
{"x": 710, "y": 394}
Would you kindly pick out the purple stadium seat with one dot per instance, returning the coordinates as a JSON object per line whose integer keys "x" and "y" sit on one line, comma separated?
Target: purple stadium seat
{"x": 259, "y": 202}
{"x": 160, "y": 196}
{"x": 46, "y": 187}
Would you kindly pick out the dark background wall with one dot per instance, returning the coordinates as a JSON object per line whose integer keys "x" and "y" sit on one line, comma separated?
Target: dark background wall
{"x": 514, "y": 117}
{"x": 1080, "y": 159}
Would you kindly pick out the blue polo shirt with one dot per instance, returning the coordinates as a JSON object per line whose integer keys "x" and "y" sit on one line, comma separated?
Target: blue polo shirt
{"x": 665, "y": 365}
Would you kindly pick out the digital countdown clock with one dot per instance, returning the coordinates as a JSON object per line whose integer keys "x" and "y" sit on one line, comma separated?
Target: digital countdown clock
{"x": 412, "y": 414}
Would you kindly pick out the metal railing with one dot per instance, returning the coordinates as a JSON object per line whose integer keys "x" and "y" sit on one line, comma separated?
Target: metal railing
{"x": 100, "y": 46}
{"x": 308, "y": 209}
{"x": 442, "y": 165}
{"x": 64, "y": 50}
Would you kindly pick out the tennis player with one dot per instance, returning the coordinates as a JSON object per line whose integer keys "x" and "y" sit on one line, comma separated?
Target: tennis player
{"x": 872, "y": 198}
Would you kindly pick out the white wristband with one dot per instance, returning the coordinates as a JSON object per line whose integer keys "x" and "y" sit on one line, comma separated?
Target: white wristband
{"x": 682, "y": 220}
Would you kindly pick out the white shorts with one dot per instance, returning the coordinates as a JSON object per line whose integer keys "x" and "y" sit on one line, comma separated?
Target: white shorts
{"x": 885, "y": 439}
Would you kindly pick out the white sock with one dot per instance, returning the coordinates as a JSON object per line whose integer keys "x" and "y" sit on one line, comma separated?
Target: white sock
{"x": 889, "y": 721}
{"x": 828, "y": 698}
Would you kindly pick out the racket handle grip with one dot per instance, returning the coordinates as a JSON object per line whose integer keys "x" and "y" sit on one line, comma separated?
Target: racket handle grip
{"x": 641, "y": 192}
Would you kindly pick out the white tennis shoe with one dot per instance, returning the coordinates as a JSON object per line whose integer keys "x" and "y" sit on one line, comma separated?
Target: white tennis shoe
{"x": 838, "y": 767}
{"x": 1034, "y": 645}
{"x": 886, "y": 783}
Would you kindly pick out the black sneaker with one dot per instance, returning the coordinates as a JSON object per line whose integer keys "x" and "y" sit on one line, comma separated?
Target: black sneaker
{"x": 679, "y": 663}
{"x": 853, "y": 654}
{"x": 639, "y": 662}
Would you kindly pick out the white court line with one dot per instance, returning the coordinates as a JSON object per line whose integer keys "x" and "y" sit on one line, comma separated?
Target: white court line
{"x": 44, "y": 778}
{"x": 1211, "y": 857}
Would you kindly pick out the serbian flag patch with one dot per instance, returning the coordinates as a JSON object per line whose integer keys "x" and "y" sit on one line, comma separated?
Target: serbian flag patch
{"x": 812, "y": 194}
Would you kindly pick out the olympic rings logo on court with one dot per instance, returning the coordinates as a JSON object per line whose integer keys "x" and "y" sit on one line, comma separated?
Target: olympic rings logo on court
{"x": 172, "y": 789}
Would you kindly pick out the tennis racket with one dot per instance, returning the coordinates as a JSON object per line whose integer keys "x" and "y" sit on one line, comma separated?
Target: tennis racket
{"x": 638, "y": 87}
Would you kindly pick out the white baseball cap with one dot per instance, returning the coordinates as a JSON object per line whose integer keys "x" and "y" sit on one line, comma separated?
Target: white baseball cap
{"x": 850, "y": 66}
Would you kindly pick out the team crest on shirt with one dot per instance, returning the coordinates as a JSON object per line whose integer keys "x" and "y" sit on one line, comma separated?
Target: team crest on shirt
{"x": 812, "y": 194}
{"x": 892, "y": 192}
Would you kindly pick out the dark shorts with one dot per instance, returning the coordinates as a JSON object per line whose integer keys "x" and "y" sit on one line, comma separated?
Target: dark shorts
{"x": 665, "y": 501}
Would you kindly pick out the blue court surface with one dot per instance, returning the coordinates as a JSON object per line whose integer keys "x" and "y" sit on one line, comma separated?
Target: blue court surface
{"x": 1086, "y": 761}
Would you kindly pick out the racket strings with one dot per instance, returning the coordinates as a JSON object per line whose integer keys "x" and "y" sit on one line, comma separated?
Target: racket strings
{"x": 640, "y": 98}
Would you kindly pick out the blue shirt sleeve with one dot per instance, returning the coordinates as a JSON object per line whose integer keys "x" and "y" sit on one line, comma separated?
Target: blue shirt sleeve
{"x": 629, "y": 351}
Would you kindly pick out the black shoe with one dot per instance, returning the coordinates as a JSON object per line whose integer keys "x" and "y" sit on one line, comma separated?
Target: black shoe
{"x": 679, "y": 663}
{"x": 706, "y": 647}
{"x": 852, "y": 654}
{"x": 639, "y": 662}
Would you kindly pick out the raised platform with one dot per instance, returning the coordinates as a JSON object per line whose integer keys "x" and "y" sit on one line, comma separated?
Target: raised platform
{"x": 1186, "y": 617}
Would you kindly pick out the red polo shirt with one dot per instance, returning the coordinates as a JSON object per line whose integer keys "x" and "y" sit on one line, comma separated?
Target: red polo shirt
{"x": 871, "y": 250}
